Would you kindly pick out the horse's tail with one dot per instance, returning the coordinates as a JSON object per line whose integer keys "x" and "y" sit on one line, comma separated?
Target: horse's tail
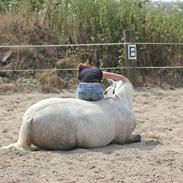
{"x": 24, "y": 141}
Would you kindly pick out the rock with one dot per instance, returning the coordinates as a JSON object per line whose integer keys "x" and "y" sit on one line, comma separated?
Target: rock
{"x": 1, "y": 79}
{"x": 6, "y": 56}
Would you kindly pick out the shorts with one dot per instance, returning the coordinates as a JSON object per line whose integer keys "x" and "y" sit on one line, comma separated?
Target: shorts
{"x": 90, "y": 91}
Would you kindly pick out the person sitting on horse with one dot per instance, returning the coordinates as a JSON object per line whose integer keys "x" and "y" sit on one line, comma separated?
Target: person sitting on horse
{"x": 90, "y": 86}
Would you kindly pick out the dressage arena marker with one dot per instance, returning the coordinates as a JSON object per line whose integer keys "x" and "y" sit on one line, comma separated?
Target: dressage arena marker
{"x": 132, "y": 52}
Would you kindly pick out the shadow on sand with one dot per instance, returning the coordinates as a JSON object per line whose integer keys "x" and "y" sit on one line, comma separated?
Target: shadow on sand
{"x": 111, "y": 148}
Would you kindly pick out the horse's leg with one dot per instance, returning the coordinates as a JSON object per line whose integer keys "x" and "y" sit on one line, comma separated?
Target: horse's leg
{"x": 134, "y": 139}
{"x": 131, "y": 139}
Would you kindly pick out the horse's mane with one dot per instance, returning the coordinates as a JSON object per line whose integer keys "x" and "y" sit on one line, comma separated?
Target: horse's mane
{"x": 120, "y": 89}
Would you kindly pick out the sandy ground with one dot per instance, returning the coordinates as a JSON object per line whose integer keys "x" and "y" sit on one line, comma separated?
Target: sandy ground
{"x": 157, "y": 159}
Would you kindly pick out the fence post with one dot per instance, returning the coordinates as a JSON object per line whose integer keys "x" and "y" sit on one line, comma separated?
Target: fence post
{"x": 131, "y": 72}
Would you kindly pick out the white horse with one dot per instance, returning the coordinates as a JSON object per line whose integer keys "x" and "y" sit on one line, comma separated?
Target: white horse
{"x": 66, "y": 123}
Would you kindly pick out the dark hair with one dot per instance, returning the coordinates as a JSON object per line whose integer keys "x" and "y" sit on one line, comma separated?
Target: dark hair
{"x": 83, "y": 66}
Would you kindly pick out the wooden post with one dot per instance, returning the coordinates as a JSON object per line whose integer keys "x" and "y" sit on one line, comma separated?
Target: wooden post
{"x": 126, "y": 52}
{"x": 131, "y": 72}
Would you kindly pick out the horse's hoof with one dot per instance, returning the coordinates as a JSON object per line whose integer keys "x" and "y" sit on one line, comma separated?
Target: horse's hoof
{"x": 137, "y": 138}
{"x": 134, "y": 139}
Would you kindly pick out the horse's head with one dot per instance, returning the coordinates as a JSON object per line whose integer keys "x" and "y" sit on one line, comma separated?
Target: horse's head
{"x": 121, "y": 90}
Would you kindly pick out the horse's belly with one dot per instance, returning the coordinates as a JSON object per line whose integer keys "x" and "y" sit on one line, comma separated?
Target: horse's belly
{"x": 53, "y": 134}
{"x": 66, "y": 134}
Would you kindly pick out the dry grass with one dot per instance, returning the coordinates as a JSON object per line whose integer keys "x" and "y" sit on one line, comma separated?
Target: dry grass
{"x": 52, "y": 82}
{"x": 77, "y": 26}
{"x": 13, "y": 27}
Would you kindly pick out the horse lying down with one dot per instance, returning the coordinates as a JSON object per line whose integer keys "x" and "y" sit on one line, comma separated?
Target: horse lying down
{"x": 66, "y": 123}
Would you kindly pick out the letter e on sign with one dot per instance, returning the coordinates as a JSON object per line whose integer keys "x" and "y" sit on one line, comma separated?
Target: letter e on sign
{"x": 132, "y": 52}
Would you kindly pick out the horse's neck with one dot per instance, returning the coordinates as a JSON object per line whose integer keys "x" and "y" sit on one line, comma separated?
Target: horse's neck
{"x": 125, "y": 101}
{"x": 125, "y": 95}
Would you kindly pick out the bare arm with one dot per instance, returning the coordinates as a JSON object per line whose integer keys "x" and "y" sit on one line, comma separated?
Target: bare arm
{"x": 114, "y": 76}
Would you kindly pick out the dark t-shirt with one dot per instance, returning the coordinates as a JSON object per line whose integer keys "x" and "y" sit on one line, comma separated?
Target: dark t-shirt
{"x": 90, "y": 75}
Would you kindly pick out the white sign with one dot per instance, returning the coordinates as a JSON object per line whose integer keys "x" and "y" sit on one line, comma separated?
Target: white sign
{"x": 132, "y": 52}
